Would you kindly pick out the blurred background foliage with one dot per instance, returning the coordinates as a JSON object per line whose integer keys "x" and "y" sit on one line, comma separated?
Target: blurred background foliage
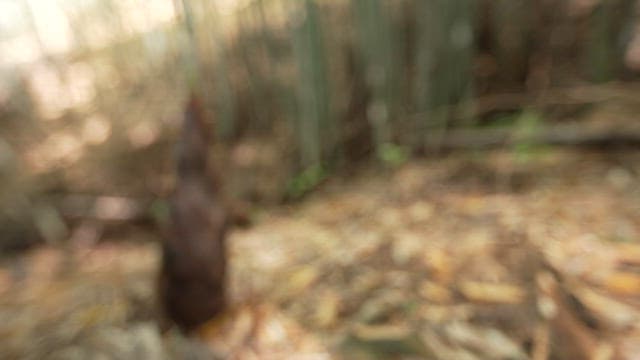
{"x": 92, "y": 91}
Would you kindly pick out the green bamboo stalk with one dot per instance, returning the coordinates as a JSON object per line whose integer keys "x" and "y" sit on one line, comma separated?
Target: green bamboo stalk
{"x": 248, "y": 46}
{"x": 313, "y": 94}
{"x": 608, "y": 22}
{"x": 443, "y": 64}
{"x": 192, "y": 65}
{"x": 375, "y": 38}
{"x": 223, "y": 90}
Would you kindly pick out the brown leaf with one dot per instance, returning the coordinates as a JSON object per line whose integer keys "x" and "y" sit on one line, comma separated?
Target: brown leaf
{"x": 492, "y": 292}
{"x": 629, "y": 254}
{"x": 326, "y": 314}
{"x": 438, "y": 261}
{"x": 491, "y": 343}
{"x": 435, "y": 293}
{"x": 541, "y": 338}
{"x": 421, "y": 211}
{"x": 623, "y": 283}
{"x": 609, "y": 312}
{"x": 301, "y": 279}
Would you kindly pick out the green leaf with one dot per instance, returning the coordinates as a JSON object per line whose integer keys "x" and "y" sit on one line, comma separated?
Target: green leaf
{"x": 306, "y": 181}
{"x": 392, "y": 154}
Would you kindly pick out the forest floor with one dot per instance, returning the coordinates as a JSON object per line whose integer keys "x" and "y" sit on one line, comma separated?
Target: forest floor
{"x": 486, "y": 256}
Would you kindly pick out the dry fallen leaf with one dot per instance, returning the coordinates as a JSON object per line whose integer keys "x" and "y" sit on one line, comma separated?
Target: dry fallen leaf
{"x": 609, "y": 312}
{"x": 435, "y": 293}
{"x": 421, "y": 211}
{"x": 438, "y": 262}
{"x": 492, "y": 292}
{"x": 490, "y": 342}
{"x": 326, "y": 313}
{"x": 628, "y": 254}
{"x": 261, "y": 332}
{"x": 384, "y": 341}
{"x": 300, "y": 280}
{"x": 623, "y": 283}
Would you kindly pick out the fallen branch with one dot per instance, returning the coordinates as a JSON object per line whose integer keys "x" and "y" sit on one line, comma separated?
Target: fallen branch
{"x": 577, "y": 95}
{"x": 570, "y": 334}
{"x": 561, "y": 135}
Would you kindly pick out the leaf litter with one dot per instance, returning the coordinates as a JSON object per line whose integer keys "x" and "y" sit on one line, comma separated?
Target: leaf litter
{"x": 538, "y": 260}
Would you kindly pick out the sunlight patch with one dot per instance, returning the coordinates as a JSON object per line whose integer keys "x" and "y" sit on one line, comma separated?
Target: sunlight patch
{"x": 143, "y": 134}
{"x": 96, "y": 130}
